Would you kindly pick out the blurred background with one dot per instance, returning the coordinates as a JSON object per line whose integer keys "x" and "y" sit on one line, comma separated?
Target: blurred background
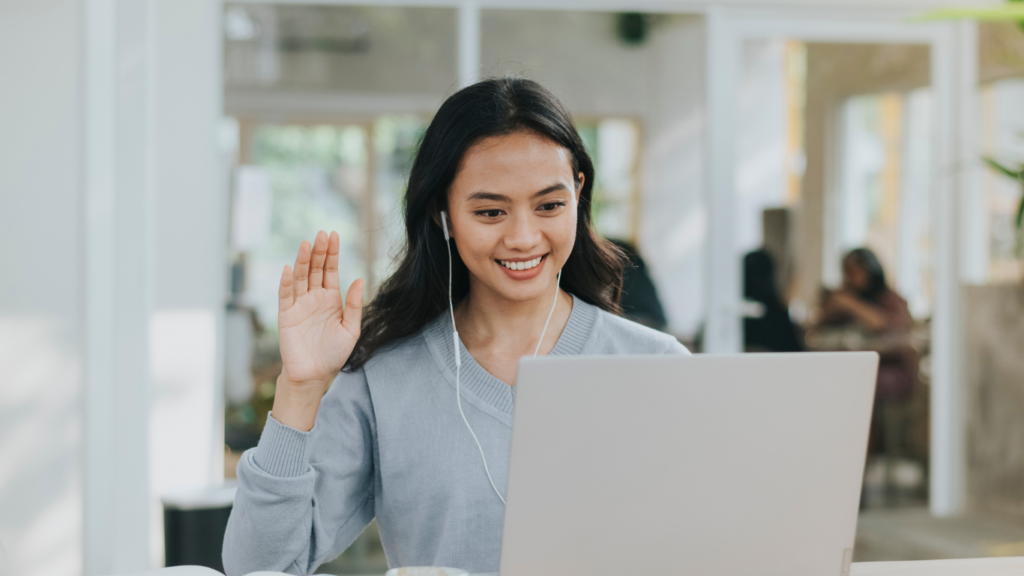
{"x": 792, "y": 175}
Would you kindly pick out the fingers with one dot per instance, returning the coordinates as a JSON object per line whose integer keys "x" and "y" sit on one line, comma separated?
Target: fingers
{"x": 316, "y": 267}
{"x": 353, "y": 307}
{"x": 301, "y": 273}
{"x": 285, "y": 298}
{"x": 331, "y": 266}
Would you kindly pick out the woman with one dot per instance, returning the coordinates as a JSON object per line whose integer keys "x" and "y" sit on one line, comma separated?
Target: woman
{"x": 866, "y": 301}
{"x": 406, "y": 434}
{"x": 865, "y": 297}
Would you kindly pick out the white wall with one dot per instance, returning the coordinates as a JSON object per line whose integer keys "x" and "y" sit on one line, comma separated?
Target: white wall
{"x": 674, "y": 225}
{"x": 577, "y": 55}
{"x": 409, "y": 64}
{"x": 111, "y": 209}
{"x": 40, "y": 288}
{"x": 186, "y": 426}
{"x": 760, "y": 139}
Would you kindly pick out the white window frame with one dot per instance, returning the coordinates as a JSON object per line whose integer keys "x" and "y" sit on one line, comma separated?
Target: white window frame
{"x": 954, "y": 81}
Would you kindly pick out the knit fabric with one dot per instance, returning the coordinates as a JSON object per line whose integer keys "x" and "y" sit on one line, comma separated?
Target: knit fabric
{"x": 389, "y": 443}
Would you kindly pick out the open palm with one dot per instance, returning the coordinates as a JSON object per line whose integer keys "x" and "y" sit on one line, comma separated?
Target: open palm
{"x": 317, "y": 333}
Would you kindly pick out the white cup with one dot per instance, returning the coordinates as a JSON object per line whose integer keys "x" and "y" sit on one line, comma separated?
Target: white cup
{"x": 426, "y": 571}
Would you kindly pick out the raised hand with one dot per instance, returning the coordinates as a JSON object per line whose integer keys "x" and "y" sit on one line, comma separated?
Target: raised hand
{"x": 317, "y": 333}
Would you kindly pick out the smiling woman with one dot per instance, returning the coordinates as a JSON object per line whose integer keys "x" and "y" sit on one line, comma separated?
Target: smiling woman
{"x": 494, "y": 152}
{"x": 514, "y": 213}
{"x": 415, "y": 429}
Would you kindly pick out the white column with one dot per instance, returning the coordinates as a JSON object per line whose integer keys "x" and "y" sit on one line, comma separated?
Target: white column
{"x": 955, "y": 81}
{"x": 186, "y": 424}
{"x": 469, "y": 42}
{"x": 118, "y": 251}
{"x": 723, "y": 330}
{"x": 100, "y": 55}
{"x": 155, "y": 240}
{"x": 975, "y": 233}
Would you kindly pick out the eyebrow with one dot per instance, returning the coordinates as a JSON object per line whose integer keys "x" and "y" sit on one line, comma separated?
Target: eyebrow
{"x": 495, "y": 197}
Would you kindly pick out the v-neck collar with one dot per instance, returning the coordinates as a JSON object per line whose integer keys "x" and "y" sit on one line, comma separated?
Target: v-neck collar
{"x": 476, "y": 381}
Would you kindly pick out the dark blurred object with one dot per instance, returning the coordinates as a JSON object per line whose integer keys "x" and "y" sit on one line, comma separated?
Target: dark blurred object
{"x": 243, "y": 423}
{"x": 194, "y": 525}
{"x": 777, "y": 224}
{"x": 632, "y": 27}
{"x": 240, "y": 437}
{"x": 640, "y": 301}
{"x": 772, "y": 330}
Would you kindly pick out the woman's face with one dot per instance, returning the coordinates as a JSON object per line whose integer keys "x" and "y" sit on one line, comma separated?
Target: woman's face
{"x": 513, "y": 214}
{"x": 855, "y": 277}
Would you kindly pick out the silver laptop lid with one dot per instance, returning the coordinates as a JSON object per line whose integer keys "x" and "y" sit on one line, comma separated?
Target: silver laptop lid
{"x": 703, "y": 465}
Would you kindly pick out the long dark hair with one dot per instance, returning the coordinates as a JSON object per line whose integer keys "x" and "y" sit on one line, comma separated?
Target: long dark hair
{"x": 870, "y": 263}
{"x": 417, "y": 292}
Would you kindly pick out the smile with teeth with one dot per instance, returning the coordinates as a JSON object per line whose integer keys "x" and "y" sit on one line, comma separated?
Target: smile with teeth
{"x": 521, "y": 265}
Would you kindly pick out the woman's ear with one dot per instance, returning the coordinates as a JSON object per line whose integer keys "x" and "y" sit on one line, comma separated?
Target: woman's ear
{"x": 579, "y": 186}
{"x": 439, "y": 222}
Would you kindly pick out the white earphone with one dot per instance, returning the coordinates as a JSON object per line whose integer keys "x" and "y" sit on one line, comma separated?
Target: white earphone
{"x": 458, "y": 352}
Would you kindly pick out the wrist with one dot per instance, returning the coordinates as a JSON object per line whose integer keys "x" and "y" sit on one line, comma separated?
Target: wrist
{"x": 299, "y": 387}
{"x": 296, "y": 403}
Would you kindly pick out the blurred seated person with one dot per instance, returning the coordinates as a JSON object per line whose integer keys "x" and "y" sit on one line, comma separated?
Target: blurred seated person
{"x": 867, "y": 303}
{"x": 640, "y": 301}
{"x": 768, "y": 327}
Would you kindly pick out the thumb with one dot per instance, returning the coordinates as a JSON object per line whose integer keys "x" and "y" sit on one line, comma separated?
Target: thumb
{"x": 353, "y": 313}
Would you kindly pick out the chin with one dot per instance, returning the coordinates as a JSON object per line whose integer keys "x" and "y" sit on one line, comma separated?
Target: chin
{"x": 518, "y": 291}
{"x": 514, "y": 291}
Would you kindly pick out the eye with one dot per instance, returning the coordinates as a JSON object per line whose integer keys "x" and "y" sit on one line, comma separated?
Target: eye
{"x": 550, "y": 206}
{"x": 494, "y": 213}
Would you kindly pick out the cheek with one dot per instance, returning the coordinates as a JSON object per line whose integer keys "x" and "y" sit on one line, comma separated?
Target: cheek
{"x": 565, "y": 235}
{"x": 478, "y": 243}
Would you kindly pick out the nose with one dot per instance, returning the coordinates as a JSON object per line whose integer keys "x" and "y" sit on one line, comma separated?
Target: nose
{"x": 523, "y": 235}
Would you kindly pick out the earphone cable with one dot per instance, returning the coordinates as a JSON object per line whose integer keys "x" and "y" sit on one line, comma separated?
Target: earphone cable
{"x": 458, "y": 399}
{"x": 558, "y": 281}
{"x": 458, "y": 350}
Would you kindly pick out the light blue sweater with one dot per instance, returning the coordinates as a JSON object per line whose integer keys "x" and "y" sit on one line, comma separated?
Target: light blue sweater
{"x": 389, "y": 443}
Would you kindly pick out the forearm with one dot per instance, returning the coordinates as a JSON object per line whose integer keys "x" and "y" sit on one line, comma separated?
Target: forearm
{"x": 271, "y": 522}
{"x": 870, "y": 316}
{"x": 303, "y": 497}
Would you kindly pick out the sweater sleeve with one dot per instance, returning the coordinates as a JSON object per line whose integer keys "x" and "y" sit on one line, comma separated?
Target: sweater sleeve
{"x": 304, "y": 497}
{"x": 676, "y": 349}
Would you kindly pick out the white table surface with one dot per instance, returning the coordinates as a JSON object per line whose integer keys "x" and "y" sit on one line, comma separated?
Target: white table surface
{"x": 966, "y": 567}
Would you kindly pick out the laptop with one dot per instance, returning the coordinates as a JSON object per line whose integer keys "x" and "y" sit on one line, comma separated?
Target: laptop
{"x": 701, "y": 465}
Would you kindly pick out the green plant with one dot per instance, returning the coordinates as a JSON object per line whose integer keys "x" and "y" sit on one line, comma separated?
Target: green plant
{"x": 1018, "y": 175}
{"x": 1012, "y": 11}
